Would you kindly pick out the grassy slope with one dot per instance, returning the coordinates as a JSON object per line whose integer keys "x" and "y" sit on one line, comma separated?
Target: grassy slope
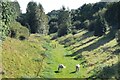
{"x": 19, "y": 57}
{"x": 96, "y": 54}
{"x": 92, "y": 54}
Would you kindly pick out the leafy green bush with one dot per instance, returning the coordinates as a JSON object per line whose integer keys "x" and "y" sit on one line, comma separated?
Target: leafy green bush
{"x": 18, "y": 31}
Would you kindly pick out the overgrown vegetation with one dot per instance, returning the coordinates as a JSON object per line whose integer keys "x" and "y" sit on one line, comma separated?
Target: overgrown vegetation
{"x": 17, "y": 31}
{"x": 22, "y": 59}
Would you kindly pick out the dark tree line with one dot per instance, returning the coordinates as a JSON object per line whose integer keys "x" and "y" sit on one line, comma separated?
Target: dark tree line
{"x": 88, "y": 16}
{"x": 97, "y": 17}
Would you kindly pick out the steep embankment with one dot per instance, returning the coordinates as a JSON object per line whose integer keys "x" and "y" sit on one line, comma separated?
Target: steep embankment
{"x": 21, "y": 58}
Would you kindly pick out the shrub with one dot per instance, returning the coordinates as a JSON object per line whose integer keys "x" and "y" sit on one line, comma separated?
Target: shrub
{"x": 18, "y": 31}
{"x": 63, "y": 30}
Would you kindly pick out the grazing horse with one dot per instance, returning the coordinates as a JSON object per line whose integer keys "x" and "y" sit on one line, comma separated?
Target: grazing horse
{"x": 77, "y": 67}
{"x": 61, "y": 66}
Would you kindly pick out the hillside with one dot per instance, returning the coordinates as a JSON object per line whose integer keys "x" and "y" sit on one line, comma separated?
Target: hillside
{"x": 21, "y": 58}
{"x": 98, "y": 56}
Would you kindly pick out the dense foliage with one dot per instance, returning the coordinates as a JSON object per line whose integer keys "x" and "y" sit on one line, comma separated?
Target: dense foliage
{"x": 36, "y": 18}
{"x": 18, "y": 31}
{"x": 9, "y": 11}
{"x": 6, "y": 17}
{"x": 88, "y": 16}
{"x": 64, "y": 22}
{"x": 98, "y": 17}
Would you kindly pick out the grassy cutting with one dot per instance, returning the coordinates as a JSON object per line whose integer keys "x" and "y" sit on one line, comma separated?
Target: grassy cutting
{"x": 97, "y": 56}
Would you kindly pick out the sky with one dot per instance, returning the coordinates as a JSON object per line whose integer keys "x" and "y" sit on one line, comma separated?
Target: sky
{"x": 50, "y": 5}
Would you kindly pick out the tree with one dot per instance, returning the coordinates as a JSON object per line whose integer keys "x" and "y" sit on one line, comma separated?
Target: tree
{"x": 53, "y": 21}
{"x": 64, "y": 22}
{"x": 1, "y": 23}
{"x": 31, "y": 8}
{"x": 100, "y": 26}
{"x": 53, "y": 26}
{"x": 111, "y": 14}
{"x": 36, "y": 18}
{"x": 41, "y": 20}
{"x": 6, "y": 17}
{"x": 16, "y": 9}
{"x": 92, "y": 25}
{"x": 85, "y": 10}
{"x": 75, "y": 15}
{"x": 23, "y": 20}
{"x": 63, "y": 29}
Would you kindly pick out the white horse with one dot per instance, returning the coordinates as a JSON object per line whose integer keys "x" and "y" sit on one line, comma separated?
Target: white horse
{"x": 77, "y": 67}
{"x": 61, "y": 66}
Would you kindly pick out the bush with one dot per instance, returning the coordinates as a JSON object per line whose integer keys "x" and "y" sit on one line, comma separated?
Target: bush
{"x": 63, "y": 30}
{"x": 18, "y": 31}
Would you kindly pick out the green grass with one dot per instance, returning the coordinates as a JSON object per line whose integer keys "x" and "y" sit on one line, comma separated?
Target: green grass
{"x": 18, "y": 58}
{"x": 58, "y": 57}
{"x": 95, "y": 55}
{"x": 96, "y": 52}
